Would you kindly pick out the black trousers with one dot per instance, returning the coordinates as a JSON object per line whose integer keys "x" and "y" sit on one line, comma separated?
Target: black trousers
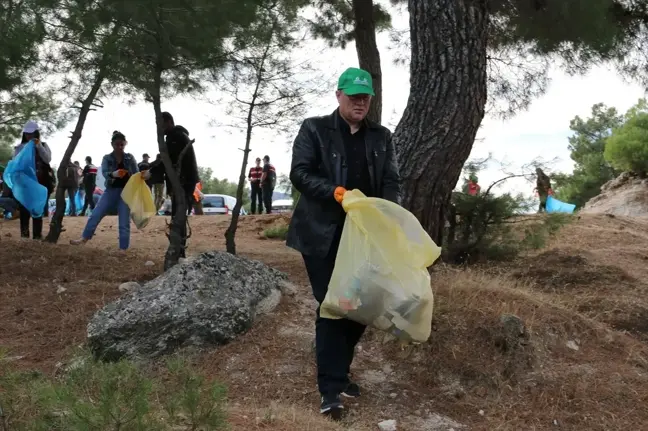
{"x": 256, "y": 196}
{"x": 38, "y": 222}
{"x": 267, "y": 191}
{"x": 335, "y": 339}
{"x": 188, "y": 190}
{"x": 89, "y": 200}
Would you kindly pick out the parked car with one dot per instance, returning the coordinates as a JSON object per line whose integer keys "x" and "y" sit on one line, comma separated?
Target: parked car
{"x": 282, "y": 205}
{"x": 214, "y": 204}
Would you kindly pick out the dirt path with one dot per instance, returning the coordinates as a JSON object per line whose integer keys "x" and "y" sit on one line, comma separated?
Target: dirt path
{"x": 464, "y": 375}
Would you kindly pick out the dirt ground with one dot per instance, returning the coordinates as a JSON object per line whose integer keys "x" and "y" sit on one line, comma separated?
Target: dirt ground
{"x": 579, "y": 363}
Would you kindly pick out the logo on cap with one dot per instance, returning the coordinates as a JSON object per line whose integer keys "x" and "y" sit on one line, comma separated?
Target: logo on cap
{"x": 361, "y": 81}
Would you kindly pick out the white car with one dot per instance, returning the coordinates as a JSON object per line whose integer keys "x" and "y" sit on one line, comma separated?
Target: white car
{"x": 282, "y": 205}
{"x": 219, "y": 204}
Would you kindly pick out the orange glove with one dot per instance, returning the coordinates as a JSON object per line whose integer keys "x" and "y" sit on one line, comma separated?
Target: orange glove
{"x": 338, "y": 194}
{"x": 36, "y": 141}
{"x": 122, "y": 173}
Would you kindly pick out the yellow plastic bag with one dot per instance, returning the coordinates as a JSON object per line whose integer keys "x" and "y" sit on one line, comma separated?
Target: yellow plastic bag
{"x": 139, "y": 199}
{"x": 380, "y": 277}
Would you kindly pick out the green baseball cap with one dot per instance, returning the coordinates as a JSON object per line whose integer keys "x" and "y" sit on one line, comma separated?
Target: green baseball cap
{"x": 355, "y": 81}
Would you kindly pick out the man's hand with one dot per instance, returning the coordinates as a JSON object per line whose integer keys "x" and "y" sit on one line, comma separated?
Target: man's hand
{"x": 339, "y": 194}
{"x": 120, "y": 173}
{"x": 36, "y": 141}
{"x": 146, "y": 175}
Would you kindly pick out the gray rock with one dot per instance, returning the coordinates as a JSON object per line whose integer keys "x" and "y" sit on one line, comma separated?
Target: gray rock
{"x": 129, "y": 286}
{"x": 389, "y": 425}
{"x": 207, "y": 302}
{"x": 513, "y": 333}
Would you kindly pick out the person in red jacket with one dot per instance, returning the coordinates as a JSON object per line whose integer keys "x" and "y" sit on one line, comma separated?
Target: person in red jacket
{"x": 254, "y": 176}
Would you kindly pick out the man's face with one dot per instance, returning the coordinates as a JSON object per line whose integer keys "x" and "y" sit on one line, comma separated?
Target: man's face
{"x": 353, "y": 108}
{"x": 168, "y": 125}
{"x": 258, "y": 162}
{"x": 146, "y": 159}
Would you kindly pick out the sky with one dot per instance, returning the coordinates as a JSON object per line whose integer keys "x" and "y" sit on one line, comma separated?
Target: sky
{"x": 539, "y": 132}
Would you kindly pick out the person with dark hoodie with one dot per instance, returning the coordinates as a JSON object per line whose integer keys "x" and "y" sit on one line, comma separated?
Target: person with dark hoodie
{"x": 44, "y": 175}
{"x": 157, "y": 180}
{"x": 177, "y": 139}
{"x": 89, "y": 184}
{"x": 117, "y": 168}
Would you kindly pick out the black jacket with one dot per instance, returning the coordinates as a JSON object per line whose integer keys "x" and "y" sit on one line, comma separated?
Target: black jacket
{"x": 176, "y": 140}
{"x": 319, "y": 166}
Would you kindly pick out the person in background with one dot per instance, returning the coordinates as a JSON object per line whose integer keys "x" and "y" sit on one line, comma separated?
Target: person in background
{"x": 44, "y": 174}
{"x": 358, "y": 155}
{"x": 268, "y": 182}
{"x": 177, "y": 139}
{"x": 198, "y": 198}
{"x": 543, "y": 187}
{"x": 89, "y": 181}
{"x": 80, "y": 189}
{"x": 117, "y": 168}
{"x": 144, "y": 165}
{"x": 157, "y": 180}
{"x": 472, "y": 188}
{"x": 254, "y": 176}
{"x": 70, "y": 183}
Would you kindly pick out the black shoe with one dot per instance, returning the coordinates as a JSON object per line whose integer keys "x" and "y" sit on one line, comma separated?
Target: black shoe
{"x": 351, "y": 391}
{"x": 332, "y": 406}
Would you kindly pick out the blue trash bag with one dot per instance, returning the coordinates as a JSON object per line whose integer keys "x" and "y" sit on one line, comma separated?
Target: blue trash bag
{"x": 78, "y": 202}
{"x": 20, "y": 176}
{"x": 556, "y": 206}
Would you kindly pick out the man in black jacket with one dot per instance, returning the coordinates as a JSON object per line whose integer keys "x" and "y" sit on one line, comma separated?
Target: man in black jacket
{"x": 332, "y": 154}
{"x": 177, "y": 139}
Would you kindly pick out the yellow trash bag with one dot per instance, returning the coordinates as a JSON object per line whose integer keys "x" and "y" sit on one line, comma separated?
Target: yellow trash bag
{"x": 380, "y": 277}
{"x": 139, "y": 199}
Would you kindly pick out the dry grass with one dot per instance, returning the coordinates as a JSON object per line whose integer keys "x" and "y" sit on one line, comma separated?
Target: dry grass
{"x": 586, "y": 289}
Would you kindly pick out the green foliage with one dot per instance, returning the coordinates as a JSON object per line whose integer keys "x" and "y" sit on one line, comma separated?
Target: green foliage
{"x": 335, "y": 21}
{"x": 212, "y": 185}
{"x": 587, "y": 146}
{"x": 627, "y": 148}
{"x": 111, "y": 396}
{"x": 22, "y": 30}
{"x": 489, "y": 227}
{"x": 284, "y": 185}
{"x": 276, "y": 232}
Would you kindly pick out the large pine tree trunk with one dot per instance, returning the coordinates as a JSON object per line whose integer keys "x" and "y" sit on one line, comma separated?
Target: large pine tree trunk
{"x": 446, "y": 103}
{"x": 368, "y": 54}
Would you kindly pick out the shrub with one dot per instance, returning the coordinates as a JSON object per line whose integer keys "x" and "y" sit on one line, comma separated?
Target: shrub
{"x": 627, "y": 148}
{"x": 276, "y": 232}
{"x": 487, "y": 227}
{"x": 111, "y": 396}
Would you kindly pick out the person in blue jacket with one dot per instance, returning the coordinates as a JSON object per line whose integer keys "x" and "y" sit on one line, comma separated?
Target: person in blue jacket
{"x": 44, "y": 174}
{"x": 117, "y": 168}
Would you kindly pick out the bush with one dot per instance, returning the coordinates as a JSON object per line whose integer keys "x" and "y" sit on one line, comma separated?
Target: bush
{"x": 487, "y": 227}
{"x": 111, "y": 396}
{"x": 627, "y": 148}
{"x": 276, "y": 232}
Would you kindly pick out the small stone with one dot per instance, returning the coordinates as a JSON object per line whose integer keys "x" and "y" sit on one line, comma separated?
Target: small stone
{"x": 389, "y": 425}
{"x": 127, "y": 287}
{"x": 149, "y": 263}
{"x": 481, "y": 413}
{"x": 572, "y": 345}
{"x": 60, "y": 290}
{"x": 555, "y": 422}
{"x": 393, "y": 395}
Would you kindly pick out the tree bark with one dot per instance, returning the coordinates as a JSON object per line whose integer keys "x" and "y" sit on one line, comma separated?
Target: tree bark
{"x": 368, "y": 54}
{"x": 446, "y": 103}
{"x": 56, "y": 225}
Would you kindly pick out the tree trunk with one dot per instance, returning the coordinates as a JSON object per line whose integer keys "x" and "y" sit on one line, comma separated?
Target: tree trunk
{"x": 230, "y": 233}
{"x": 178, "y": 227}
{"x": 56, "y": 224}
{"x": 368, "y": 54}
{"x": 446, "y": 103}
